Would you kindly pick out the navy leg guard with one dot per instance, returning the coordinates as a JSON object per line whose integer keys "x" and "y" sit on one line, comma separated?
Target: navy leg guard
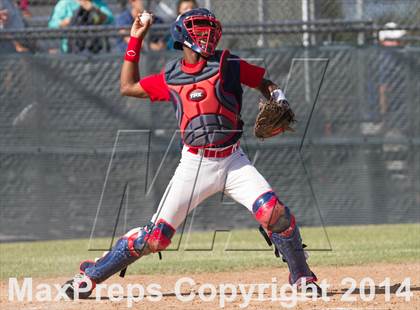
{"x": 114, "y": 261}
{"x": 289, "y": 244}
{"x": 128, "y": 249}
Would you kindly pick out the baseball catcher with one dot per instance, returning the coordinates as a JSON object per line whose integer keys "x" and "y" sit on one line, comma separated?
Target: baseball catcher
{"x": 205, "y": 88}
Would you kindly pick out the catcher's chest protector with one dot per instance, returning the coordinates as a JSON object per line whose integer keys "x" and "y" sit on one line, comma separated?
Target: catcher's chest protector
{"x": 208, "y": 103}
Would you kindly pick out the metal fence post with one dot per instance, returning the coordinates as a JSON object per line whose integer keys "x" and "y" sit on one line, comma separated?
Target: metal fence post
{"x": 359, "y": 14}
{"x": 305, "y": 18}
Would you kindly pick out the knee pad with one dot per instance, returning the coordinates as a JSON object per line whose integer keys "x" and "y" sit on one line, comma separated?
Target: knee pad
{"x": 271, "y": 213}
{"x": 160, "y": 236}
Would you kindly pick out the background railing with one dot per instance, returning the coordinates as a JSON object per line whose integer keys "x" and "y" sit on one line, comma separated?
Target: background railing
{"x": 249, "y": 24}
{"x": 244, "y": 11}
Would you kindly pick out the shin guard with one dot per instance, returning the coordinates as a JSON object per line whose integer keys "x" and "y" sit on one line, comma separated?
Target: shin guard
{"x": 129, "y": 248}
{"x": 289, "y": 244}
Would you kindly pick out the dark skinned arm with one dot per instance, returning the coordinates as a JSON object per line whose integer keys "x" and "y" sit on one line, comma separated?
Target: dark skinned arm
{"x": 129, "y": 81}
{"x": 266, "y": 87}
{"x": 130, "y": 75}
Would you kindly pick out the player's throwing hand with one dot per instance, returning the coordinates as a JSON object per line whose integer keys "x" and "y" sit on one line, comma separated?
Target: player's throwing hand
{"x": 141, "y": 25}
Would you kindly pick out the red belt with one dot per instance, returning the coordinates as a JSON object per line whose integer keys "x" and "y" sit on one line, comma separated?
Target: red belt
{"x": 215, "y": 153}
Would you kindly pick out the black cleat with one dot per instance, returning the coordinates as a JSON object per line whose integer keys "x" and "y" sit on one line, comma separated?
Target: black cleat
{"x": 309, "y": 286}
{"x": 77, "y": 286}
{"x": 314, "y": 289}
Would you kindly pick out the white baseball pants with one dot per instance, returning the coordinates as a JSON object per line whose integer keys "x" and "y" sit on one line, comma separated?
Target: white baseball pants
{"x": 197, "y": 177}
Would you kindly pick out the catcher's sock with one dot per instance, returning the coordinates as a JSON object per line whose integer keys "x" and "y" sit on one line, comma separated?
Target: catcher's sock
{"x": 290, "y": 247}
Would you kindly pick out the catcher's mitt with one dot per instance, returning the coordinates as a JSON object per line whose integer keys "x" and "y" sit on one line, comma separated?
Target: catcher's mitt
{"x": 274, "y": 118}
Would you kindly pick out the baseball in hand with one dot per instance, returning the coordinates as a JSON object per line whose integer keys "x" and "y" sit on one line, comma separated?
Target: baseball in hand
{"x": 145, "y": 17}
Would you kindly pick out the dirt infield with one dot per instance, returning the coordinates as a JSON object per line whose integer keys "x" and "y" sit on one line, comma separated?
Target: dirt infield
{"x": 259, "y": 298}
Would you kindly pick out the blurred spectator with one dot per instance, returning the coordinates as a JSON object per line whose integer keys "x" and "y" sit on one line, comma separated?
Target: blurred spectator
{"x": 126, "y": 18}
{"x": 10, "y": 18}
{"x": 186, "y": 5}
{"x": 182, "y": 7}
{"x": 386, "y": 88}
{"x": 157, "y": 42}
{"x": 24, "y": 8}
{"x": 392, "y": 36}
{"x": 79, "y": 13}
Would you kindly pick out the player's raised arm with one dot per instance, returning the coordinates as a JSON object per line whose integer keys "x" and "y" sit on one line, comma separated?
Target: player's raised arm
{"x": 130, "y": 76}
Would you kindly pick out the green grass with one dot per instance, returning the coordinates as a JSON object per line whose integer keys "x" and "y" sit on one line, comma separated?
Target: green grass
{"x": 350, "y": 245}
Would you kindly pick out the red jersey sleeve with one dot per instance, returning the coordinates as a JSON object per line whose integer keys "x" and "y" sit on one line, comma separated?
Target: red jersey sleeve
{"x": 155, "y": 86}
{"x": 250, "y": 75}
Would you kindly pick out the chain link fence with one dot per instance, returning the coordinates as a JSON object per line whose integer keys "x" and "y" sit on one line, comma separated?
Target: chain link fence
{"x": 60, "y": 116}
{"x": 250, "y": 24}
{"x": 403, "y": 12}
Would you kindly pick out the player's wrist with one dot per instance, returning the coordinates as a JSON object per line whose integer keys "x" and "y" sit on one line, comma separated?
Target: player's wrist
{"x": 132, "y": 53}
{"x": 278, "y": 95}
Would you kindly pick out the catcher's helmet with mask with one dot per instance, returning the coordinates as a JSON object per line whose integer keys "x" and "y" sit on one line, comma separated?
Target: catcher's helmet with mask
{"x": 198, "y": 29}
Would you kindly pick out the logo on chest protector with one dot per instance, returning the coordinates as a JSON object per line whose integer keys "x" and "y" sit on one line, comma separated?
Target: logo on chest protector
{"x": 197, "y": 94}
